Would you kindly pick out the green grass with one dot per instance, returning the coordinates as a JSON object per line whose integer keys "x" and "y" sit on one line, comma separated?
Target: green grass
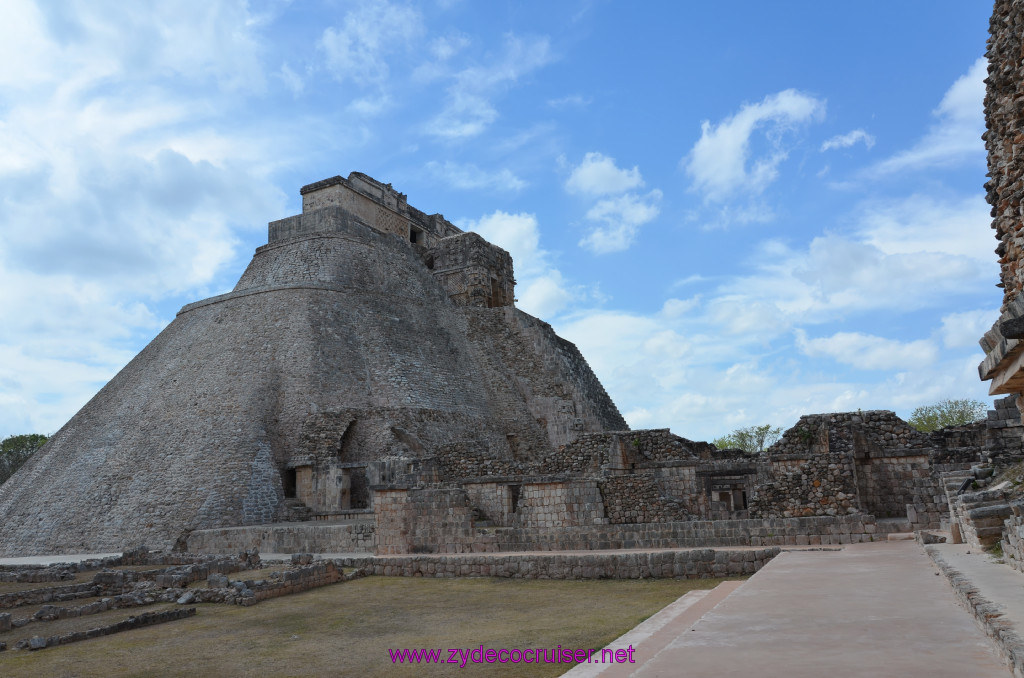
{"x": 347, "y": 629}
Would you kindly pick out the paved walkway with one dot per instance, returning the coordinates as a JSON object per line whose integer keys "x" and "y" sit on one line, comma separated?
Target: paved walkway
{"x": 869, "y": 610}
{"x": 997, "y": 582}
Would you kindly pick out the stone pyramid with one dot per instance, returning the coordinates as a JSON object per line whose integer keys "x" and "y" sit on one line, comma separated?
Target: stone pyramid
{"x": 363, "y": 338}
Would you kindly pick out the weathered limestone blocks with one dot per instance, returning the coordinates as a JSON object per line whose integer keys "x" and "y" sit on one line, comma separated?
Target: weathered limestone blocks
{"x": 638, "y": 499}
{"x": 399, "y": 531}
{"x": 1013, "y": 537}
{"x": 285, "y": 538}
{"x": 981, "y": 516}
{"x": 144, "y": 619}
{"x": 689, "y": 564}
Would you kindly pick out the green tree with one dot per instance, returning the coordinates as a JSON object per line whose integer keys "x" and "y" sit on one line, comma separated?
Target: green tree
{"x": 947, "y": 413}
{"x": 752, "y": 439}
{"x": 15, "y": 451}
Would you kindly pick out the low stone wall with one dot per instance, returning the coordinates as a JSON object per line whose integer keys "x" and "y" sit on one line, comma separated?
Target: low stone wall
{"x": 689, "y": 564}
{"x": 286, "y": 538}
{"x": 693, "y": 533}
{"x": 145, "y": 619}
{"x": 54, "y": 594}
{"x": 297, "y": 580}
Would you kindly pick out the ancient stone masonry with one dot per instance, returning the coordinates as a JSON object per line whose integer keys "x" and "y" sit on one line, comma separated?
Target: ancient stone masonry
{"x": 472, "y": 271}
{"x": 870, "y": 462}
{"x": 1004, "y": 141}
{"x": 341, "y": 361}
{"x": 692, "y": 564}
{"x": 1004, "y": 433}
{"x": 369, "y": 385}
{"x": 651, "y": 484}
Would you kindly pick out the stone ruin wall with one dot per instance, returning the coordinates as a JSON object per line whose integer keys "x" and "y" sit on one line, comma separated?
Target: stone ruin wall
{"x": 869, "y": 462}
{"x": 400, "y": 528}
{"x": 1004, "y": 433}
{"x": 649, "y": 489}
{"x": 1004, "y": 141}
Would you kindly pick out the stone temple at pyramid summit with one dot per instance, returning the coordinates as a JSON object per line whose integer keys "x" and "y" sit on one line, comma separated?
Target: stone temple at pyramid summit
{"x": 370, "y": 386}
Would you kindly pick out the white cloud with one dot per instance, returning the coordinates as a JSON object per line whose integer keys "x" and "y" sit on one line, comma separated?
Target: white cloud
{"x": 964, "y": 329}
{"x": 357, "y": 49}
{"x": 868, "y": 352}
{"x": 955, "y": 137}
{"x": 847, "y": 140}
{"x": 598, "y": 175}
{"x": 922, "y": 223}
{"x": 622, "y": 217}
{"x": 469, "y": 111}
{"x": 719, "y": 164}
{"x": 465, "y": 115}
{"x": 908, "y": 254}
{"x": 620, "y": 213}
{"x": 124, "y": 152}
{"x": 469, "y": 177}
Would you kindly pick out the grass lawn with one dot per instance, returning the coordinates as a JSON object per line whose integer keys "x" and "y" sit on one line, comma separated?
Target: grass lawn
{"x": 347, "y": 629}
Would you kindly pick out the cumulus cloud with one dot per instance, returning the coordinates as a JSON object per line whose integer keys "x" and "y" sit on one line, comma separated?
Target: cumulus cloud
{"x": 908, "y": 254}
{"x": 128, "y": 180}
{"x": 620, "y": 213}
{"x": 955, "y": 136}
{"x": 598, "y": 175}
{"x": 720, "y": 164}
{"x": 868, "y": 352}
{"x": 702, "y": 363}
{"x": 621, "y": 216}
{"x": 964, "y": 329}
{"x": 847, "y": 140}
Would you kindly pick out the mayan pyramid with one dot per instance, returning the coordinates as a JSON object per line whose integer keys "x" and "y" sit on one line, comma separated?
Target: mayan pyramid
{"x": 362, "y": 338}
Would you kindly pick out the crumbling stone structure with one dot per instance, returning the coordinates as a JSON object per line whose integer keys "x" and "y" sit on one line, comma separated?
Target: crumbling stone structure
{"x": 829, "y": 479}
{"x": 1004, "y": 136}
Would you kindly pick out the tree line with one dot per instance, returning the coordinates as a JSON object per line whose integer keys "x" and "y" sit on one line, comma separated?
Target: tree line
{"x": 15, "y": 451}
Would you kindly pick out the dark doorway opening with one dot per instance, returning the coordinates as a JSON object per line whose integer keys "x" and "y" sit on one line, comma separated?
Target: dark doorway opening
{"x": 288, "y": 481}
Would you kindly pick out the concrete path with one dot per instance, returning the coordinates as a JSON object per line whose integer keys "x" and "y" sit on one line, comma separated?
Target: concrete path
{"x": 868, "y": 610}
{"x": 997, "y": 582}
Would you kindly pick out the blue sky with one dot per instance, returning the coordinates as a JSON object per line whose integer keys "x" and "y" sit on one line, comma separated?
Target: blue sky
{"x": 738, "y": 216}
